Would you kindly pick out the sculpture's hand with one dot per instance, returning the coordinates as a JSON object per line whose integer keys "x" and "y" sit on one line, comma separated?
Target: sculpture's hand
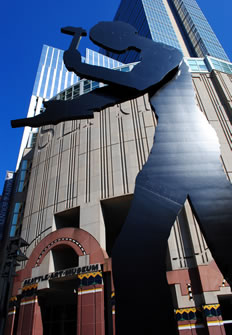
{"x": 77, "y": 33}
{"x": 56, "y": 111}
{"x": 72, "y": 60}
{"x": 72, "y": 57}
{"x": 52, "y": 115}
{"x": 74, "y": 31}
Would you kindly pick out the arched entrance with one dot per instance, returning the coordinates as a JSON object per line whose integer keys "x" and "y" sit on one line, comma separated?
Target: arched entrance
{"x": 61, "y": 285}
{"x": 58, "y": 304}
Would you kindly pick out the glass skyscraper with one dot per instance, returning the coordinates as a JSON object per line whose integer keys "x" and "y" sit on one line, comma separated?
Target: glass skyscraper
{"x": 179, "y": 23}
{"x": 52, "y": 77}
{"x": 197, "y": 29}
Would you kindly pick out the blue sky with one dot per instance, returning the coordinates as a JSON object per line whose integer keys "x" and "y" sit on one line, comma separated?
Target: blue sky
{"x": 27, "y": 25}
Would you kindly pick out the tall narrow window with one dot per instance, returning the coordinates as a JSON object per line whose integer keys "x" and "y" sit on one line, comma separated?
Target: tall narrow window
{"x": 16, "y": 218}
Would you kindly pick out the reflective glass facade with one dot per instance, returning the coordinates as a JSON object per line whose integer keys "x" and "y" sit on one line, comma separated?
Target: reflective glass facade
{"x": 95, "y": 58}
{"x": 197, "y": 65}
{"x": 218, "y": 64}
{"x": 151, "y": 20}
{"x": 169, "y": 21}
{"x": 198, "y": 30}
{"x": 52, "y": 76}
{"x": 16, "y": 218}
{"x": 84, "y": 86}
{"x": 208, "y": 64}
{"x": 159, "y": 23}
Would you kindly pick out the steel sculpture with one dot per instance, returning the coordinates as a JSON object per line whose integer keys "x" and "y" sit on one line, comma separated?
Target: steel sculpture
{"x": 184, "y": 163}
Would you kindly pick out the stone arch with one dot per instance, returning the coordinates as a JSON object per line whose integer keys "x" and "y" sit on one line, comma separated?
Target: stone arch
{"x": 79, "y": 240}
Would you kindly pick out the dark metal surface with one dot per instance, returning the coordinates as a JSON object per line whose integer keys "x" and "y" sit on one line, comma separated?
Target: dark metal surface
{"x": 184, "y": 163}
{"x": 159, "y": 63}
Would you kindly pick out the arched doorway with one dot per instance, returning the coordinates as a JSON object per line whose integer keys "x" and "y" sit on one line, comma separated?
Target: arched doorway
{"x": 62, "y": 289}
{"x": 58, "y": 304}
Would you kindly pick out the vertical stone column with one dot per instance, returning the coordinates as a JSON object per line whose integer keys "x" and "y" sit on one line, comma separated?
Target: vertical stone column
{"x": 10, "y": 321}
{"x": 91, "y": 310}
{"x": 191, "y": 328}
{"x": 190, "y": 321}
{"x": 30, "y": 320}
{"x": 214, "y": 319}
{"x": 215, "y": 326}
{"x": 113, "y": 311}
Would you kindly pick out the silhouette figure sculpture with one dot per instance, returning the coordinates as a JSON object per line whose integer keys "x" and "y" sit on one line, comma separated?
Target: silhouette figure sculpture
{"x": 184, "y": 163}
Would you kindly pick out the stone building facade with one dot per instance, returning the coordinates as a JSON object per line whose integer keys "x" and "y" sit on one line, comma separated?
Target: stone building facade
{"x": 79, "y": 188}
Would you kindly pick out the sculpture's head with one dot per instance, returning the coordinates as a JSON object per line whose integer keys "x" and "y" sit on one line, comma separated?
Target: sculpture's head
{"x": 114, "y": 36}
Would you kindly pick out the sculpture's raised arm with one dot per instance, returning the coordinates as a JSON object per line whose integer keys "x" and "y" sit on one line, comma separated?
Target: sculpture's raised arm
{"x": 72, "y": 57}
{"x": 159, "y": 64}
{"x": 77, "y": 33}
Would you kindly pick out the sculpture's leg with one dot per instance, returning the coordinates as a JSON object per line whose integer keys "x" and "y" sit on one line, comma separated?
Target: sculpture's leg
{"x": 143, "y": 298}
{"x": 213, "y": 208}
